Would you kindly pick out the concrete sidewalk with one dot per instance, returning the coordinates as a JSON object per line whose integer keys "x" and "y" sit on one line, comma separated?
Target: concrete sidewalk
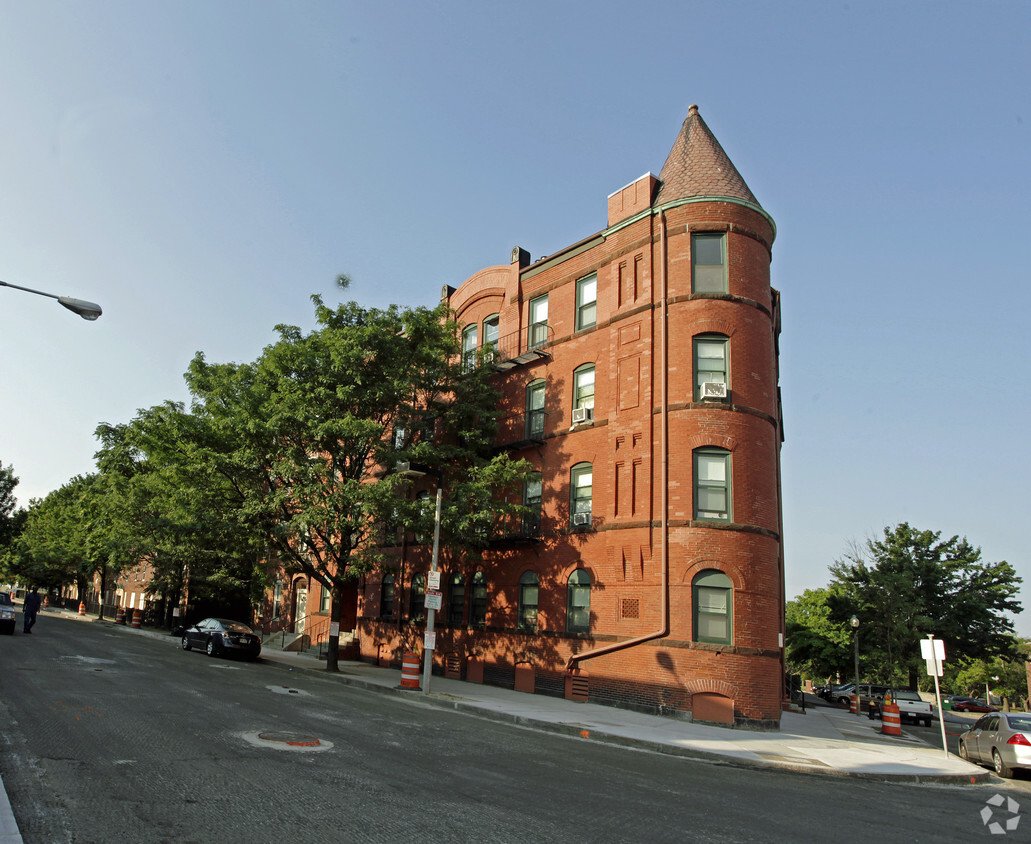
{"x": 824, "y": 740}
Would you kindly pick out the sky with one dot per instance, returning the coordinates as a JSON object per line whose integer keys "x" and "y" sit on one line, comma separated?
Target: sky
{"x": 200, "y": 169}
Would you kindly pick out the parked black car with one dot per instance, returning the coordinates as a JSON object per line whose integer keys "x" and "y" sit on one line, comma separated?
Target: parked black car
{"x": 218, "y": 636}
{"x": 7, "y": 613}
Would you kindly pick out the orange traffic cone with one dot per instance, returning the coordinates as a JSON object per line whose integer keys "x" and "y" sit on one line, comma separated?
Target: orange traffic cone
{"x": 82, "y": 608}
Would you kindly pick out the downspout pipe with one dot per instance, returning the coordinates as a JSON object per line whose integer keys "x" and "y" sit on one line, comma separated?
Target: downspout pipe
{"x": 663, "y": 631}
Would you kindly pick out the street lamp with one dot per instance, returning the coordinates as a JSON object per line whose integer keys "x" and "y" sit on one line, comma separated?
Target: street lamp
{"x": 855, "y": 639}
{"x": 87, "y": 310}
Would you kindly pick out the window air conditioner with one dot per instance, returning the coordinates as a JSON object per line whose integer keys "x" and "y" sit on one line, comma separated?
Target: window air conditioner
{"x": 582, "y": 414}
{"x": 580, "y": 519}
{"x": 714, "y": 390}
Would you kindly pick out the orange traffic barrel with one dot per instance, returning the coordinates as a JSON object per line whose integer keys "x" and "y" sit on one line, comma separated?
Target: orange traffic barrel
{"x": 410, "y": 671}
{"x": 853, "y": 705}
{"x": 46, "y": 601}
{"x": 82, "y": 608}
{"x": 137, "y": 618}
{"x": 120, "y": 616}
{"x": 890, "y": 723}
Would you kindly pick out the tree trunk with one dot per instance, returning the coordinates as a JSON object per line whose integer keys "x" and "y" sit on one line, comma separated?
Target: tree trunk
{"x": 103, "y": 584}
{"x": 335, "y": 613}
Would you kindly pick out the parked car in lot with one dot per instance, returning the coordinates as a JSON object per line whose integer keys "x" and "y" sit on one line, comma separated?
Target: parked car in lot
{"x": 962, "y": 703}
{"x": 828, "y": 692}
{"x": 218, "y": 636}
{"x": 911, "y": 706}
{"x": 999, "y": 739}
{"x": 867, "y": 692}
{"x": 7, "y": 613}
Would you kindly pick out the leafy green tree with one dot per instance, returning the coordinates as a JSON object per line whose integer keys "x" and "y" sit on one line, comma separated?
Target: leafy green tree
{"x": 817, "y": 645}
{"x": 308, "y": 434}
{"x": 12, "y": 517}
{"x": 912, "y": 583}
{"x": 1005, "y": 677}
{"x": 162, "y": 506}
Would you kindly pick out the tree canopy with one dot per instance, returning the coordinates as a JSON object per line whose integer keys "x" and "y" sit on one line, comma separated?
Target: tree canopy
{"x": 902, "y": 587}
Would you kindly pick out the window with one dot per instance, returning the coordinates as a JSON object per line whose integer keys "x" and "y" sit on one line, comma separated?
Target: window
{"x": 712, "y": 484}
{"x": 399, "y": 437}
{"x": 535, "y": 410}
{"x": 528, "y": 585}
{"x": 277, "y": 598}
{"x": 417, "y": 604}
{"x": 708, "y": 267}
{"x": 469, "y": 347}
{"x": 583, "y": 387}
{"x": 425, "y": 512}
{"x": 587, "y": 302}
{"x": 710, "y": 362}
{"x": 386, "y": 605}
{"x": 324, "y": 599}
{"x": 581, "y": 481}
{"x": 578, "y": 602}
{"x": 532, "y": 488}
{"x": 490, "y": 334}
{"x": 538, "y": 322}
{"x": 478, "y": 601}
{"x": 713, "y": 608}
{"x": 456, "y": 600}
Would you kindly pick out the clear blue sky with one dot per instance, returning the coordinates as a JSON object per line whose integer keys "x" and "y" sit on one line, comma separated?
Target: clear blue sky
{"x": 201, "y": 168}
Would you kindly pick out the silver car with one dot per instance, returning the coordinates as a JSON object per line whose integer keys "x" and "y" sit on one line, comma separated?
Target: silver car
{"x": 999, "y": 739}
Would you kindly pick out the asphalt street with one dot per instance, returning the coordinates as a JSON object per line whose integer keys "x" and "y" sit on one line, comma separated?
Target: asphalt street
{"x": 106, "y": 737}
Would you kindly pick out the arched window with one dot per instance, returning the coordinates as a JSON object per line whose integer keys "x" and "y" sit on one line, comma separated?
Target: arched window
{"x": 581, "y": 484}
{"x": 417, "y": 605}
{"x": 528, "y": 587}
{"x": 578, "y": 602}
{"x": 712, "y": 498}
{"x": 710, "y": 363}
{"x": 490, "y": 335}
{"x": 478, "y": 601}
{"x": 456, "y": 601}
{"x": 386, "y": 604}
{"x": 583, "y": 387}
{"x": 713, "y": 607}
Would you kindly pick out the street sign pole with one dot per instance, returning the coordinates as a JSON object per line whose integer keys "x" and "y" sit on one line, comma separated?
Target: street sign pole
{"x": 933, "y": 652}
{"x": 429, "y": 643}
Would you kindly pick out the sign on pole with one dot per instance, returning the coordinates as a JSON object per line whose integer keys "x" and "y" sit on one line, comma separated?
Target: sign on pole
{"x": 430, "y": 641}
{"x": 433, "y": 580}
{"x": 434, "y": 600}
{"x": 933, "y": 652}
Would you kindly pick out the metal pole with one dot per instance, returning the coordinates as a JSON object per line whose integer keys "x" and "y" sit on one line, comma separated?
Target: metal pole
{"x": 431, "y": 614}
{"x": 859, "y": 702}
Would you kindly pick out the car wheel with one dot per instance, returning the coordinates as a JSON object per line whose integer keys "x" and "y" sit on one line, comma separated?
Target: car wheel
{"x": 1000, "y": 767}
{"x": 212, "y": 650}
{"x": 963, "y": 752}
{"x": 927, "y": 722}
{"x": 186, "y": 643}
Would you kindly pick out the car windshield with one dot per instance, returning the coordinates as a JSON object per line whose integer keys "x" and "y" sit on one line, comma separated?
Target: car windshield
{"x": 1021, "y": 723}
{"x": 5, "y": 598}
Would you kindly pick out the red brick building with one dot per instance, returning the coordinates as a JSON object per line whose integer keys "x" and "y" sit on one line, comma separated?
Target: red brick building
{"x": 639, "y": 370}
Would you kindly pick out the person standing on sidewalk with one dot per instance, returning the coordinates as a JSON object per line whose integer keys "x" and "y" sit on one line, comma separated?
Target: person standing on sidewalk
{"x": 30, "y": 608}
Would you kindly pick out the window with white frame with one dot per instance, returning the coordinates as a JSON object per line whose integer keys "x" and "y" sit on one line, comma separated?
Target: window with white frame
{"x": 587, "y": 302}
{"x": 538, "y": 322}
{"x": 581, "y": 486}
{"x": 535, "y": 410}
{"x": 532, "y": 497}
{"x": 712, "y": 484}
{"x": 583, "y": 387}
{"x": 490, "y": 333}
{"x": 469, "y": 347}
{"x": 710, "y": 362}
{"x": 456, "y": 601}
{"x": 713, "y": 607}
{"x": 417, "y": 604}
{"x": 578, "y": 602}
{"x": 708, "y": 263}
{"x": 528, "y": 589}
{"x": 478, "y": 601}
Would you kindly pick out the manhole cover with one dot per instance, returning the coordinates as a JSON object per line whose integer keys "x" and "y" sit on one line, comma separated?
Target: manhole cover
{"x": 292, "y": 739}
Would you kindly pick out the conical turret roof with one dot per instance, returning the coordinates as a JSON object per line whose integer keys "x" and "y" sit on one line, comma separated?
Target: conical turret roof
{"x": 698, "y": 166}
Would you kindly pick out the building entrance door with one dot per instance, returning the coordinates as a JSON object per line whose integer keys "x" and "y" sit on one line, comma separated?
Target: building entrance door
{"x": 302, "y": 609}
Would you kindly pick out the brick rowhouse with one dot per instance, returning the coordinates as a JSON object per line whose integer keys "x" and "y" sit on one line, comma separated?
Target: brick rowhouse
{"x": 639, "y": 370}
